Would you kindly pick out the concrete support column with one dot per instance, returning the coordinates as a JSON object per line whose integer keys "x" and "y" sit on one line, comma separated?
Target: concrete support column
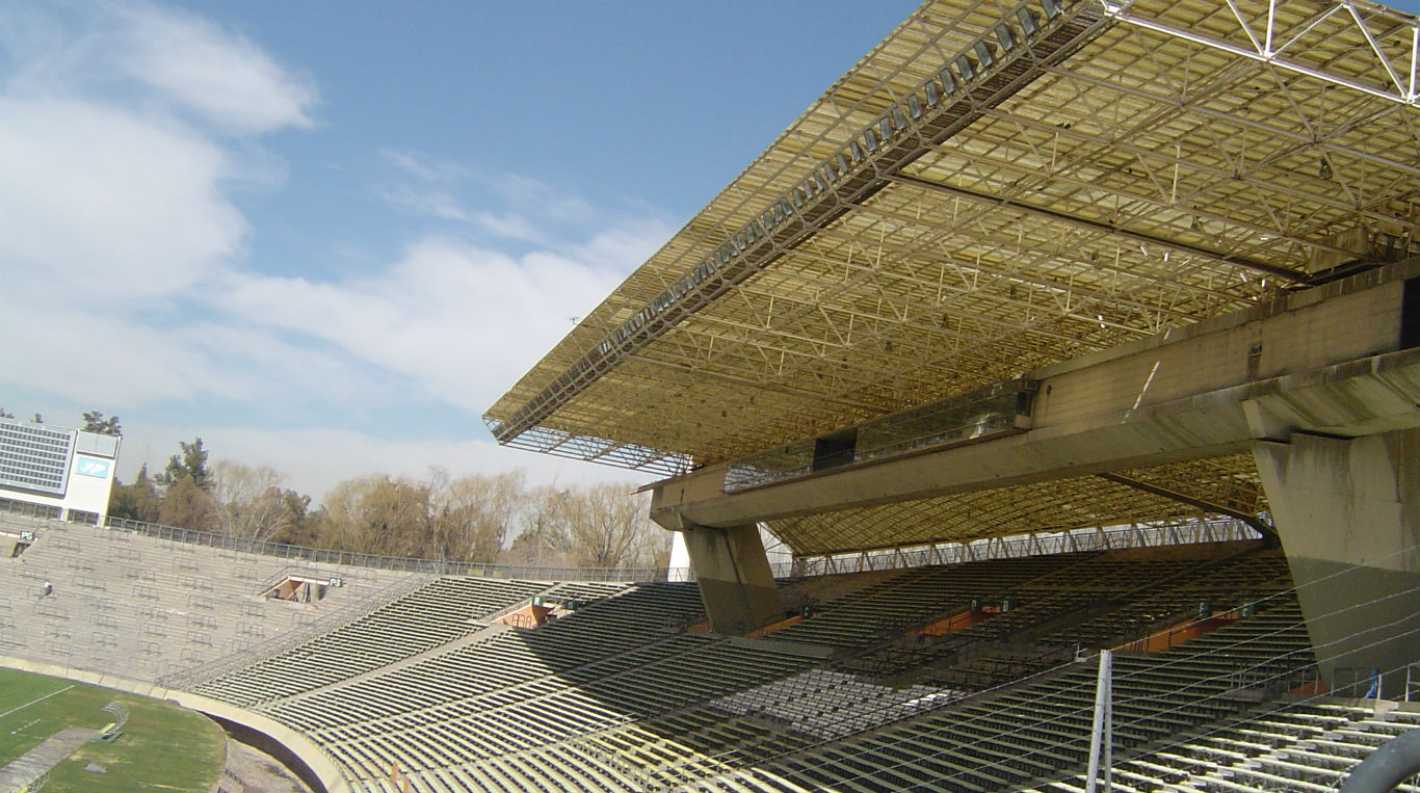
{"x": 1339, "y": 503}
{"x": 735, "y": 580}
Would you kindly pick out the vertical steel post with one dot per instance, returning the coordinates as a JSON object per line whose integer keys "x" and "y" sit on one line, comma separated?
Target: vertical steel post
{"x": 1102, "y": 733}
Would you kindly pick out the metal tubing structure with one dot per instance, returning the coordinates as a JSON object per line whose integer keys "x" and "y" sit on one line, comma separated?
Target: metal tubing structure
{"x": 1102, "y": 730}
{"x": 996, "y": 187}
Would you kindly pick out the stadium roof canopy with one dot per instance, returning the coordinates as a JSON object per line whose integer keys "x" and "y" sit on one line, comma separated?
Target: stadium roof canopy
{"x": 995, "y": 187}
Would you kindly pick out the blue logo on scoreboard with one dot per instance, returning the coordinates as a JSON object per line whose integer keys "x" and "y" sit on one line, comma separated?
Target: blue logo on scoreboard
{"x": 93, "y": 466}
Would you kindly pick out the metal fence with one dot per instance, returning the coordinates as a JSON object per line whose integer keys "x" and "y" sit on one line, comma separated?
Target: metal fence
{"x": 406, "y": 564}
{"x": 1011, "y": 547}
{"x": 1023, "y": 545}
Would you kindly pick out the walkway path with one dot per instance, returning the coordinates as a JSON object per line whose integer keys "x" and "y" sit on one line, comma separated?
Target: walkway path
{"x": 36, "y": 762}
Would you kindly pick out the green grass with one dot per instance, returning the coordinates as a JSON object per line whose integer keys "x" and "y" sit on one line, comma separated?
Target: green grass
{"x": 162, "y": 748}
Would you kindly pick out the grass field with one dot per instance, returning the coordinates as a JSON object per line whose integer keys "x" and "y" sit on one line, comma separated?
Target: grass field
{"x": 162, "y": 748}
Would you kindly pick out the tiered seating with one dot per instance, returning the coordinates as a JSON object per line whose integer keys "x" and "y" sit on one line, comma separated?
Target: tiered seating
{"x": 151, "y": 607}
{"x": 1223, "y": 586}
{"x": 736, "y": 741}
{"x": 444, "y": 610}
{"x": 1296, "y": 746}
{"x": 827, "y": 704}
{"x": 584, "y": 592}
{"x": 620, "y": 694}
{"x": 1006, "y": 740}
{"x": 913, "y": 598}
{"x": 642, "y": 619}
{"x": 1094, "y": 603}
{"x": 554, "y": 711}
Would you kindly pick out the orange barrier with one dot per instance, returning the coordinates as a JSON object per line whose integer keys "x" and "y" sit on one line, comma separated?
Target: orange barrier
{"x": 529, "y": 616}
{"x": 772, "y": 627}
{"x": 955, "y": 622}
{"x": 1179, "y": 633}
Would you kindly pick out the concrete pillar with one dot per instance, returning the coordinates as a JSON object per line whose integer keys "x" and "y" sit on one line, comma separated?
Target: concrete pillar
{"x": 734, "y": 576}
{"x": 1343, "y": 503}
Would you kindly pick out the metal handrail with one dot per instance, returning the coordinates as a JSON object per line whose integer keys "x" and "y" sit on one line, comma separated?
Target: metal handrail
{"x": 410, "y": 564}
{"x": 1024, "y": 545}
{"x": 1010, "y": 547}
{"x": 282, "y": 643}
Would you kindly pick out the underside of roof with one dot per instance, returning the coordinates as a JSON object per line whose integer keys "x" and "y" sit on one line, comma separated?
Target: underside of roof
{"x": 997, "y": 186}
{"x": 1228, "y": 482}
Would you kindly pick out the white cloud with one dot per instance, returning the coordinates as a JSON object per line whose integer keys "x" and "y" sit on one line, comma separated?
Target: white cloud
{"x": 99, "y": 201}
{"x": 89, "y": 357}
{"x": 122, "y": 257}
{"x": 221, "y": 75}
{"x": 624, "y": 247}
{"x": 527, "y": 207}
{"x": 86, "y": 355}
{"x": 509, "y": 225}
{"x": 463, "y": 320}
{"x": 554, "y": 203}
{"x": 424, "y": 201}
{"x": 425, "y": 169}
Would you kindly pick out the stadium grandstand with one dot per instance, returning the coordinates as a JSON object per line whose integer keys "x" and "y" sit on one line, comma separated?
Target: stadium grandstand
{"x": 1072, "y": 348}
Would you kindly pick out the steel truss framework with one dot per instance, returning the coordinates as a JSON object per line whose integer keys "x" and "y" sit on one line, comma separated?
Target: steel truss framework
{"x": 1174, "y": 160}
{"x": 1229, "y": 482}
{"x": 1095, "y": 538}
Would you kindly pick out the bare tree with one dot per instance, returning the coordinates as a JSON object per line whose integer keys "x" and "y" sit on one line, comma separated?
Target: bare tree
{"x": 486, "y": 517}
{"x": 543, "y": 538}
{"x": 607, "y": 524}
{"x": 250, "y": 500}
{"x": 378, "y": 515}
{"x": 473, "y": 516}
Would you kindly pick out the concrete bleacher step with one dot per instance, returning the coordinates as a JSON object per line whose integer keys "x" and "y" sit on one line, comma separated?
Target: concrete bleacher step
{"x": 615, "y": 697}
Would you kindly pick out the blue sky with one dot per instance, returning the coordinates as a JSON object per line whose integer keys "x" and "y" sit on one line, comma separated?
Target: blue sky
{"x": 326, "y": 237}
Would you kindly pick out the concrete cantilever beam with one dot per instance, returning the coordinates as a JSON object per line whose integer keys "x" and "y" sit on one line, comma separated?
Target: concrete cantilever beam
{"x": 1334, "y": 360}
{"x": 1322, "y": 387}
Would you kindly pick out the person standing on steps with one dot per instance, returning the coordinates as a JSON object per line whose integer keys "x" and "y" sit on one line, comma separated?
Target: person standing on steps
{"x": 47, "y": 589}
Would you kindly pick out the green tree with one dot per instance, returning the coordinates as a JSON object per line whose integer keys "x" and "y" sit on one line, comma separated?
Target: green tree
{"x": 38, "y": 419}
{"x": 187, "y": 505}
{"x": 138, "y": 500}
{"x": 94, "y": 421}
{"x": 191, "y": 464}
{"x": 301, "y": 524}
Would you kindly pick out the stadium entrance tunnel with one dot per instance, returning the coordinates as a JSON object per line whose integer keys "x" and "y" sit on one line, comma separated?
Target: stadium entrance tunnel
{"x": 300, "y": 589}
{"x": 540, "y": 611}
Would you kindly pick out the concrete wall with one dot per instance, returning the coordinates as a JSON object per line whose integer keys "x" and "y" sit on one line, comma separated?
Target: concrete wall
{"x": 1341, "y": 329}
{"x": 735, "y": 580}
{"x": 1348, "y": 514}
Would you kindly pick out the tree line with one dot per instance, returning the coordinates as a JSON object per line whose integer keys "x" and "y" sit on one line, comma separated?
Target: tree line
{"x": 94, "y": 421}
{"x": 480, "y": 518}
